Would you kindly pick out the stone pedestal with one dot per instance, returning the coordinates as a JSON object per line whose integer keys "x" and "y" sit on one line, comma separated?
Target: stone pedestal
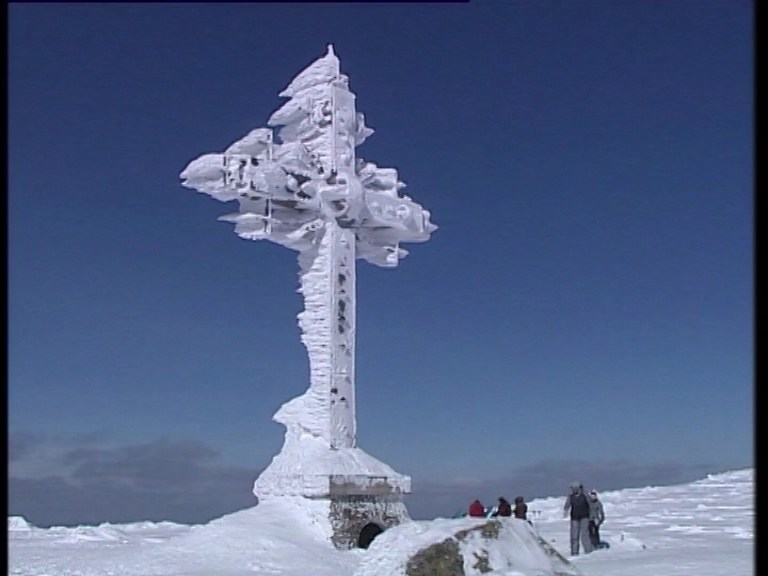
{"x": 357, "y": 519}
{"x": 362, "y": 507}
{"x": 365, "y": 495}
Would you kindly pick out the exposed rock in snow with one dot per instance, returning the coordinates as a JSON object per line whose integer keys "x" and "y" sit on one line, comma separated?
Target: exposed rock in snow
{"x": 464, "y": 547}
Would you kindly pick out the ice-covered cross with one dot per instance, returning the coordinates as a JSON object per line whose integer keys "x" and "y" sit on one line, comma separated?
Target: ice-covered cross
{"x": 303, "y": 187}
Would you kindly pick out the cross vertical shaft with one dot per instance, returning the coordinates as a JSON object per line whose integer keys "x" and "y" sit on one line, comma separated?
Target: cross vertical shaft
{"x": 343, "y": 278}
{"x": 328, "y": 332}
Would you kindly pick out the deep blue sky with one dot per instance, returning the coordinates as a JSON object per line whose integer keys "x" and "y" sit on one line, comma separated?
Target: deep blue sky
{"x": 584, "y": 311}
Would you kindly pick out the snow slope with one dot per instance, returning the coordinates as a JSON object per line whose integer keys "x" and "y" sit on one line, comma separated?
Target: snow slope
{"x": 704, "y": 528}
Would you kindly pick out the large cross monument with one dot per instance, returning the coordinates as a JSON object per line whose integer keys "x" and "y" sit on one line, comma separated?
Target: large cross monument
{"x": 302, "y": 186}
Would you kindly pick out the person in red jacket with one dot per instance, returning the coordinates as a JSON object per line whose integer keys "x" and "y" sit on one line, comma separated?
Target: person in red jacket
{"x": 477, "y": 509}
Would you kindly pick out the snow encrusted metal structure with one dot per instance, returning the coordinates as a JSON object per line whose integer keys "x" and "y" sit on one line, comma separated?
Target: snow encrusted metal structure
{"x": 299, "y": 183}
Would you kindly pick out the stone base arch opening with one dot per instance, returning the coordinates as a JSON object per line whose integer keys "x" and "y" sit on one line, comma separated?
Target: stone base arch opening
{"x": 368, "y": 534}
{"x": 356, "y": 519}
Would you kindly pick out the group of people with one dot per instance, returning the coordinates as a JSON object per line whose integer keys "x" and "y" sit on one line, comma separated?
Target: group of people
{"x": 587, "y": 515}
{"x": 586, "y": 512}
{"x": 503, "y": 508}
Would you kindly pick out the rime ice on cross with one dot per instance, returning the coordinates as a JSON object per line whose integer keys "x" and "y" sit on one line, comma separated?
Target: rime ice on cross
{"x": 303, "y": 187}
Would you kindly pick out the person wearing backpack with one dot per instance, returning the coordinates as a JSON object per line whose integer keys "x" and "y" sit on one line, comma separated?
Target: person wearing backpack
{"x": 596, "y": 518}
{"x": 577, "y": 504}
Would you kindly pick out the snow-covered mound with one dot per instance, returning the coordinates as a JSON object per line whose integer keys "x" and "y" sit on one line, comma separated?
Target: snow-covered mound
{"x": 469, "y": 546}
{"x": 18, "y": 523}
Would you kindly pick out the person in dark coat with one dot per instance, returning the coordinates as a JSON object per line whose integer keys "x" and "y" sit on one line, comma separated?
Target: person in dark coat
{"x": 578, "y": 505}
{"x": 477, "y": 509}
{"x": 504, "y": 508}
{"x": 521, "y": 508}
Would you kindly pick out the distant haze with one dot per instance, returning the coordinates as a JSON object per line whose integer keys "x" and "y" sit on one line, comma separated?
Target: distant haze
{"x": 185, "y": 482}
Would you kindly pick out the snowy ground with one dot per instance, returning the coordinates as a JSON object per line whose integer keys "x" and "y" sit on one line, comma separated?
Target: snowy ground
{"x": 700, "y": 529}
